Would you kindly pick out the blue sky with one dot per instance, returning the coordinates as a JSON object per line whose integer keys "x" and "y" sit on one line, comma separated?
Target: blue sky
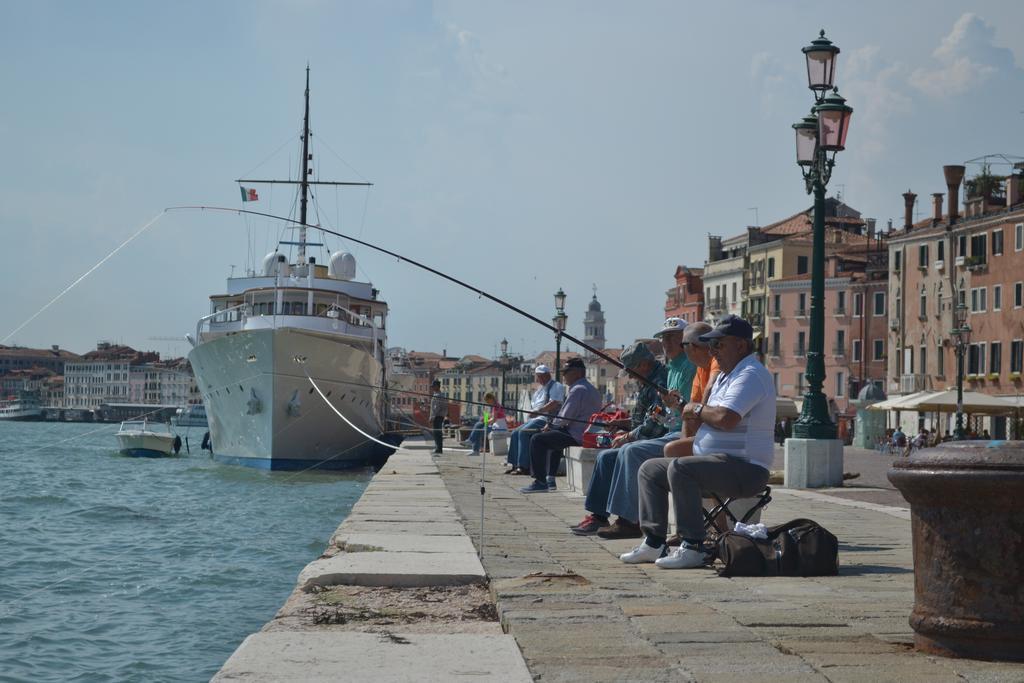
{"x": 520, "y": 146}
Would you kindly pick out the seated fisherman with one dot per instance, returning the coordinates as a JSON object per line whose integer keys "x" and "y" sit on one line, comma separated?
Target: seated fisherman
{"x": 581, "y": 401}
{"x": 612, "y": 489}
{"x": 730, "y": 454}
{"x": 545, "y": 403}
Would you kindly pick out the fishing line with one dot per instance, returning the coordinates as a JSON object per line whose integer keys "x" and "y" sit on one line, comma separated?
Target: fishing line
{"x": 481, "y": 293}
{"x": 82, "y": 277}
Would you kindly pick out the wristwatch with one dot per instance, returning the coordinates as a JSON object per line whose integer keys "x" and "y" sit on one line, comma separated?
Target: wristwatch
{"x": 697, "y": 409}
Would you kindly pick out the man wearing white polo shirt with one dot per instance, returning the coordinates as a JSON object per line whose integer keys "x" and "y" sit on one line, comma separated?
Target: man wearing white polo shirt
{"x": 730, "y": 454}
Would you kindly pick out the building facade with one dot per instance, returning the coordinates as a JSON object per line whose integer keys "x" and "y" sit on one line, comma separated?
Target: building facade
{"x": 971, "y": 256}
{"x": 686, "y": 299}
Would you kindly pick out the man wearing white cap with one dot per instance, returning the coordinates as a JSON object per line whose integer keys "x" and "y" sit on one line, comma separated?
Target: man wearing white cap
{"x": 545, "y": 402}
{"x": 613, "y": 485}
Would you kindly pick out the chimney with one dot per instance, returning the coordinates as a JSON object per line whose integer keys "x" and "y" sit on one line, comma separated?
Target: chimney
{"x": 954, "y": 174}
{"x": 937, "y": 204}
{"x": 870, "y": 222}
{"x": 908, "y": 209}
{"x": 714, "y": 248}
{"x": 1013, "y": 190}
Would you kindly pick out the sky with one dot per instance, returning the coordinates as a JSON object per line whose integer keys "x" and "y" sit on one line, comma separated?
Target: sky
{"x": 520, "y": 147}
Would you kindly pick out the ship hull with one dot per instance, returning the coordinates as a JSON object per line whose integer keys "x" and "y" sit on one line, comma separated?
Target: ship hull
{"x": 264, "y": 412}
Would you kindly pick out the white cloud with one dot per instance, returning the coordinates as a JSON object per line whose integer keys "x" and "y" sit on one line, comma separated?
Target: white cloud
{"x": 771, "y": 77}
{"x": 967, "y": 58}
{"x": 873, "y": 87}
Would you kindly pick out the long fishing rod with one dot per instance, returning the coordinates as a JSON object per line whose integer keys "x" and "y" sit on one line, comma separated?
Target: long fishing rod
{"x": 466, "y": 285}
{"x": 483, "y": 404}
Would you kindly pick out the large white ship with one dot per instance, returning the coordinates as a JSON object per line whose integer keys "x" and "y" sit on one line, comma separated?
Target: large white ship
{"x": 276, "y": 328}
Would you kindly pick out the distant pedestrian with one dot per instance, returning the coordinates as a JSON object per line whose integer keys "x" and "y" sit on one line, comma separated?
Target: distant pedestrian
{"x": 438, "y": 414}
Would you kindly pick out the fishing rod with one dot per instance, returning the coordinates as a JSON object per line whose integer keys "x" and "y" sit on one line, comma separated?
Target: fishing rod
{"x": 466, "y": 285}
{"x": 410, "y": 392}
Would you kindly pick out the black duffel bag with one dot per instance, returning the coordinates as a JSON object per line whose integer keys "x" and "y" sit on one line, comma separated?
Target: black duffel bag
{"x": 800, "y": 547}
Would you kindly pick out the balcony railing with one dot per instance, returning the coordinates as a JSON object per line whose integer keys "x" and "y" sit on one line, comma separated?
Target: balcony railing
{"x": 801, "y": 312}
{"x": 913, "y": 383}
{"x": 775, "y": 351}
{"x": 839, "y": 310}
{"x": 800, "y": 350}
{"x": 838, "y": 350}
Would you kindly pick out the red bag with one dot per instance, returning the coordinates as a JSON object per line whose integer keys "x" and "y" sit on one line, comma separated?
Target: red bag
{"x": 597, "y": 425}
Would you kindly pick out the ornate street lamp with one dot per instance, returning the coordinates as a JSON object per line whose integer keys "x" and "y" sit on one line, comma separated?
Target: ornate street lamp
{"x": 818, "y": 137}
{"x": 559, "y": 322}
{"x": 962, "y": 332}
{"x": 504, "y": 367}
{"x": 821, "y": 65}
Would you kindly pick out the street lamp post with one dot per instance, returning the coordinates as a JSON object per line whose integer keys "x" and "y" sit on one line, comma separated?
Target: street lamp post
{"x": 504, "y": 367}
{"x": 818, "y": 137}
{"x": 559, "y": 322}
{"x": 962, "y": 332}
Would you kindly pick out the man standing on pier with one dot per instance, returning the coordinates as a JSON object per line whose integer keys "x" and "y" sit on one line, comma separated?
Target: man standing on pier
{"x": 581, "y": 401}
{"x": 438, "y": 412}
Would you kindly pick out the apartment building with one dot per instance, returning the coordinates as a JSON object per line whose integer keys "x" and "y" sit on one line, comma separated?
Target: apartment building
{"x": 971, "y": 257}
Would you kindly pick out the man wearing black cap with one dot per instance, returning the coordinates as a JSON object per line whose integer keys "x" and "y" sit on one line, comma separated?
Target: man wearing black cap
{"x": 582, "y": 400}
{"x": 730, "y": 454}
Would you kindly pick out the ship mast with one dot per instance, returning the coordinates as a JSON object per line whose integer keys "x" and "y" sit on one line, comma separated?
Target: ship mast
{"x": 304, "y": 182}
{"x": 305, "y": 176}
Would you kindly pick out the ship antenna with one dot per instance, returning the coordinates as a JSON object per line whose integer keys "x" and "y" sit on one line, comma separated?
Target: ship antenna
{"x": 304, "y": 185}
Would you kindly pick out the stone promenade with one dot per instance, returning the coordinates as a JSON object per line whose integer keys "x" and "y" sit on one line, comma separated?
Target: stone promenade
{"x": 579, "y": 614}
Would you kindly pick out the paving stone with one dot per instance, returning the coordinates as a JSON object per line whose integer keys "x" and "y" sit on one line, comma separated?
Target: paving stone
{"x": 393, "y": 569}
{"x": 315, "y": 656}
{"x": 402, "y": 542}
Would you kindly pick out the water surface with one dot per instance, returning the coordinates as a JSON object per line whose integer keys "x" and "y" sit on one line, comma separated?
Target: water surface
{"x": 135, "y": 569}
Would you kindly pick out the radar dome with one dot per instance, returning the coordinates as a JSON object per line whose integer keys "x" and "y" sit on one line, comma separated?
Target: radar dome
{"x": 274, "y": 264}
{"x": 342, "y": 266}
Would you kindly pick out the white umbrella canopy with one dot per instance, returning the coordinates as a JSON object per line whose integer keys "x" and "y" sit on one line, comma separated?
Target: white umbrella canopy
{"x": 899, "y": 402}
{"x": 785, "y": 408}
{"x": 974, "y": 402}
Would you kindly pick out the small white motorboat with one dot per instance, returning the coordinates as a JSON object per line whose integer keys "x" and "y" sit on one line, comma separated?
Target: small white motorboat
{"x": 142, "y": 438}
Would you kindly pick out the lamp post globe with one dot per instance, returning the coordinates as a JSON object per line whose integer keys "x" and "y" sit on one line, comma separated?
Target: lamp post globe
{"x": 806, "y": 139}
{"x": 833, "y": 122}
{"x": 821, "y": 64}
{"x": 560, "y": 300}
{"x": 504, "y": 347}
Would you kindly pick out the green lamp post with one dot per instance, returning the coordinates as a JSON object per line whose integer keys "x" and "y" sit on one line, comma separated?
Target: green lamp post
{"x": 559, "y": 321}
{"x": 818, "y": 137}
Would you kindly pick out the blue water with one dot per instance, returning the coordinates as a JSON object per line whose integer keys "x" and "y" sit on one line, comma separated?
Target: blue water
{"x": 135, "y": 569}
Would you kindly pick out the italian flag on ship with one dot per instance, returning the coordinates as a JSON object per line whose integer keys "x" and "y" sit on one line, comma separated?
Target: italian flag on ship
{"x": 249, "y": 194}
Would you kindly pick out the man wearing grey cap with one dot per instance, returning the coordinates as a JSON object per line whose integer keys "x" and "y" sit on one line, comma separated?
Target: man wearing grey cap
{"x": 613, "y": 485}
{"x": 545, "y": 403}
{"x": 546, "y": 448}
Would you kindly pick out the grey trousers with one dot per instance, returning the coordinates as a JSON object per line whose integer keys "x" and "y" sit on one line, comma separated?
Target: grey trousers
{"x": 686, "y": 480}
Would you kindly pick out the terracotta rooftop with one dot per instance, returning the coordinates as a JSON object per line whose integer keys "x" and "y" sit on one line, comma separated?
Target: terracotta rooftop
{"x": 15, "y": 351}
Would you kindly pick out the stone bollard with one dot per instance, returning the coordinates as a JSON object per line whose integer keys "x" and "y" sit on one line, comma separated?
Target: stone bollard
{"x": 967, "y": 519}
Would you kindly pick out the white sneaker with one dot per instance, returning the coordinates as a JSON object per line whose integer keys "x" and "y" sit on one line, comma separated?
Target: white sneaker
{"x": 642, "y": 553}
{"x": 683, "y": 557}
